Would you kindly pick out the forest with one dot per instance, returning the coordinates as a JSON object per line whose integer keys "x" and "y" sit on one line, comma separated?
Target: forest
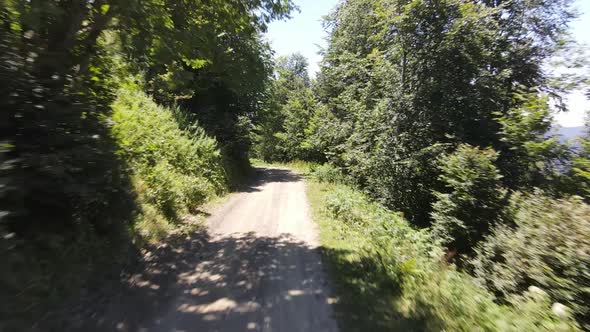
{"x": 427, "y": 135}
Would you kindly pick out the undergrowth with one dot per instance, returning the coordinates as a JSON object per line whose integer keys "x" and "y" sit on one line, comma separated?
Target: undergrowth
{"x": 175, "y": 166}
{"x": 390, "y": 276}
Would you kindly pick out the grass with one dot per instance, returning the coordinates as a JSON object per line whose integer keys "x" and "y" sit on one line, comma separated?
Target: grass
{"x": 302, "y": 167}
{"x": 365, "y": 301}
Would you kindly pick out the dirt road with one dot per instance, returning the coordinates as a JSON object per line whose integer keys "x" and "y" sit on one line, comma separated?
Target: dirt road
{"x": 261, "y": 270}
{"x": 257, "y": 268}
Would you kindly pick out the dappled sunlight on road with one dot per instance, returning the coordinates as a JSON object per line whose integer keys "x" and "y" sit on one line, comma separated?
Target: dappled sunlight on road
{"x": 247, "y": 282}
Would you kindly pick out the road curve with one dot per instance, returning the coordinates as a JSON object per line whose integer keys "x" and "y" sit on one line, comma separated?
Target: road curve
{"x": 260, "y": 270}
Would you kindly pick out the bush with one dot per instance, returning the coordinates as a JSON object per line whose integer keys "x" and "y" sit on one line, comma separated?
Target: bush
{"x": 176, "y": 166}
{"x": 464, "y": 215}
{"x": 172, "y": 191}
{"x": 350, "y": 206}
{"x": 406, "y": 266}
{"x": 448, "y": 300}
{"x": 549, "y": 247}
{"x": 328, "y": 174}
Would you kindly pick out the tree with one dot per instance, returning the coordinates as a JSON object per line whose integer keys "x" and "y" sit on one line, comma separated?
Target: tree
{"x": 531, "y": 157}
{"x": 293, "y": 70}
{"x": 66, "y": 58}
{"x": 408, "y": 79}
{"x": 283, "y": 126}
{"x": 66, "y": 187}
{"x": 581, "y": 165}
{"x": 473, "y": 200}
{"x": 219, "y": 74}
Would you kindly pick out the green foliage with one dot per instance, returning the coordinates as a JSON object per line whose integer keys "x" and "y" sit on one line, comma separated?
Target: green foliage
{"x": 291, "y": 74}
{"x": 66, "y": 199}
{"x": 178, "y": 169}
{"x": 472, "y": 202}
{"x": 328, "y": 174}
{"x": 403, "y": 80}
{"x": 452, "y": 301}
{"x": 402, "y": 279}
{"x": 210, "y": 58}
{"x": 172, "y": 191}
{"x": 297, "y": 112}
{"x": 547, "y": 247}
{"x": 530, "y": 157}
{"x": 322, "y": 132}
{"x": 283, "y": 126}
{"x": 580, "y": 176}
{"x": 348, "y": 206}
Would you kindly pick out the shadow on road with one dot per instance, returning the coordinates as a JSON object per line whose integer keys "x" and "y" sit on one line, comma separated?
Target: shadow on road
{"x": 263, "y": 175}
{"x": 198, "y": 283}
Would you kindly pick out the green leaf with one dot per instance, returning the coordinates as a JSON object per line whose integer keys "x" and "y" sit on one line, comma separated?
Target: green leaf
{"x": 196, "y": 63}
{"x": 104, "y": 9}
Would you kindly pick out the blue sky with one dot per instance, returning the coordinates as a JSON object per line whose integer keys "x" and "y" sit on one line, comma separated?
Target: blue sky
{"x": 304, "y": 33}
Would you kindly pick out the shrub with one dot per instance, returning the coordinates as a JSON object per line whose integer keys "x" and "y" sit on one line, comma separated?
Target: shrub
{"x": 348, "y": 206}
{"x": 464, "y": 215}
{"x": 406, "y": 265}
{"x": 176, "y": 165}
{"x": 549, "y": 247}
{"x": 448, "y": 300}
{"x": 531, "y": 154}
{"x": 328, "y": 174}
{"x": 172, "y": 191}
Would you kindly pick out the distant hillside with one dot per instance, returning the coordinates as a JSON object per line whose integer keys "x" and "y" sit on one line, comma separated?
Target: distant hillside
{"x": 566, "y": 133}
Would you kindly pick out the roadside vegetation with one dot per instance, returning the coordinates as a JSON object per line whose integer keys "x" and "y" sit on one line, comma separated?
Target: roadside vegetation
{"x": 173, "y": 170}
{"x": 390, "y": 276}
